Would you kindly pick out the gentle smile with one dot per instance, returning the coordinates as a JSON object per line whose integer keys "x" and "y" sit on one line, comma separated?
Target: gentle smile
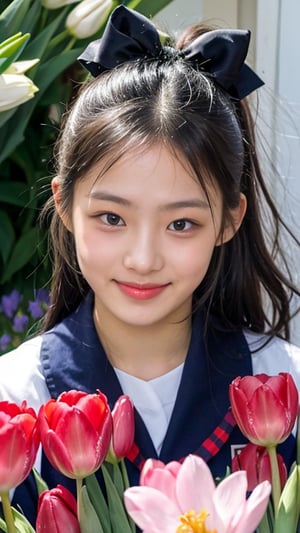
{"x": 141, "y": 291}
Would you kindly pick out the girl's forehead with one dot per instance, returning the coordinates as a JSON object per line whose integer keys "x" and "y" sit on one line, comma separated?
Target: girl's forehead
{"x": 144, "y": 163}
{"x": 146, "y": 159}
{"x": 156, "y": 170}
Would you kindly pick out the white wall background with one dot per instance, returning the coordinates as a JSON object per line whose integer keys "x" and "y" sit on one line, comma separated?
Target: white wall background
{"x": 275, "y": 54}
{"x": 278, "y": 61}
{"x": 179, "y": 14}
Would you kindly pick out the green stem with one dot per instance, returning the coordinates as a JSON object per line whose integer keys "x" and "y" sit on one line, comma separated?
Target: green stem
{"x": 58, "y": 39}
{"x": 126, "y": 486}
{"x": 70, "y": 44}
{"x": 7, "y": 511}
{"x": 78, "y": 492}
{"x": 276, "y": 487}
{"x": 124, "y": 474}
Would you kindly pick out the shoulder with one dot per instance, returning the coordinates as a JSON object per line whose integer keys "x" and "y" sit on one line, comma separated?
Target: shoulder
{"x": 271, "y": 356}
{"x": 21, "y": 375}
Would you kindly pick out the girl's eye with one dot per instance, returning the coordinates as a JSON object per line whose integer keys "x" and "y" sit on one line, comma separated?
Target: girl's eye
{"x": 111, "y": 219}
{"x": 180, "y": 225}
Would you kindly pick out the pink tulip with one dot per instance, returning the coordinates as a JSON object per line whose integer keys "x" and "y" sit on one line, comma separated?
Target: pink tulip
{"x": 123, "y": 429}
{"x": 195, "y": 501}
{"x": 265, "y": 408}
{"x": 75, "y": 432}
{"x": 255, "y": 461}
{"x": 57, "y": 512}
{"x": 19, "y": 442}
{"x": 160, "y": 476}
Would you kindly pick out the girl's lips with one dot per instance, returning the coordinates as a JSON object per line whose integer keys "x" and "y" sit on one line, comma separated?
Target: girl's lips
{"x": 141, "y": 292}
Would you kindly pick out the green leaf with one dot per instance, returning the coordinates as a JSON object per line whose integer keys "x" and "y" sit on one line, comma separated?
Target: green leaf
{"x": 113, "y": 468}
{"x": 7, "y": 236}
{"x": 31, "y": 18}
{"x": 11, "y": 48}
{"x": 98, "y": 501}
{"x": 11, "y": 18}
{"x": 38, "y": 46}
{"x": 14, "y": 192}
{"x": 289, "y": 504}
{"x": 21, "y": 523}
{"x": 3, "y": 525}
{"x": 118, "y": 515}
{"x": 40, "y": 483}
{"x": 89, "y": 521}
{"x": 45, "y": 75}
{"x": 49, "y": 70}
{"x": 24, "y": 249}
{"x": 6, "y": 115}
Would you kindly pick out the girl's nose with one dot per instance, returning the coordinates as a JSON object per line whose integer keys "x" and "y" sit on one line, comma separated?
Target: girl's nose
{"x": 144, "y": 253}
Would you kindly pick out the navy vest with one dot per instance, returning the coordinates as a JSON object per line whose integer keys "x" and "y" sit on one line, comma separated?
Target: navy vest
{"x": 73, "y": 358}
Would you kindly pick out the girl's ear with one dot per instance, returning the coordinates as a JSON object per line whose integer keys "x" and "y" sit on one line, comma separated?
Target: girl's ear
{"x": 55, "y": 185}
{"x": 237, "y": 215}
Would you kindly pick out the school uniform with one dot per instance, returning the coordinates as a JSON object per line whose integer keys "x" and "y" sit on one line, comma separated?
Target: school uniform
{"x": 70, "y": 356}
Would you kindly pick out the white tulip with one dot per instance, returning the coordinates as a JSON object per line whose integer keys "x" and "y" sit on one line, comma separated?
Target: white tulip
{"x": 88, "y": 17}
{"x": 15, "y": 89}
{"x": 19, "y": 67}
{"x": 56, "y": 4}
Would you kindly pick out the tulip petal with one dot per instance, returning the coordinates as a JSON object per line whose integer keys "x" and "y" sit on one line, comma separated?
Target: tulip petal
{"x": 269, "y": 423}
{"x": 71, "y": 397}
{"x": 95, "y": 409}
{"x": 192, "y": 470}
{"x": 76, "y": 431}
{"x": 239, "y": 401}
{"x": 285, "y": 389}
{"x": 249, "y": 459}
{"x": 150, "y": 464}
{"x": 17, "y": 456}
{"x": 54, "y": 412}
{"x": 151, "y": 509}
{"x": 19, "y": 67}
{"x": 57, "y": 454}
{"x": 229, "y": 498}
{"x": 164, "y": 481}
{"x": 254, "y": 509}
{"x": 248, "y": 384}
{"x": 9, "y": 408}
{"x": 57, "y": 512}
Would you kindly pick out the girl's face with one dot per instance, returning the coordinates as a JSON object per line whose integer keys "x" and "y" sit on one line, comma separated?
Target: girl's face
{"x": 144, "y": 235}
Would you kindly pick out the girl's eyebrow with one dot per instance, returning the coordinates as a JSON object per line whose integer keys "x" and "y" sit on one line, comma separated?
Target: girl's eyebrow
{"x": 101, "y": 195}
{"x": 191, "y": 202}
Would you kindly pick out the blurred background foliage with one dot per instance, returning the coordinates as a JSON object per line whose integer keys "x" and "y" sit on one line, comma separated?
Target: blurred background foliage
{"x": 28, "y": 130}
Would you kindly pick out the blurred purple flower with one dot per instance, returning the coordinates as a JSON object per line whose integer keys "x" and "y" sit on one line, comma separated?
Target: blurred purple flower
{"x": 20, "y": 323}
{"x": 9, "y": 303}
{"x": 42, "y": 295}
{"x": 5, "y": 339}
{"x": 37, "y": 307}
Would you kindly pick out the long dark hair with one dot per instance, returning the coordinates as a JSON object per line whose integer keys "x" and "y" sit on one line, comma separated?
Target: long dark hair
{"x": 144, "y": 102}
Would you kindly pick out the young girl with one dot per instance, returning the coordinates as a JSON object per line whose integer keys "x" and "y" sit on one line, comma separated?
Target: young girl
{"x": 163, "y": 286}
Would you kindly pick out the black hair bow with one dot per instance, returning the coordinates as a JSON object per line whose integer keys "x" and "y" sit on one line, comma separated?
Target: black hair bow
{"x": 130, "y": 36}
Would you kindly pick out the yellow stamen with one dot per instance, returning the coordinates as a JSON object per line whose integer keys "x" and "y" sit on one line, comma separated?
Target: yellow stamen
{"x": 191, "y": 522}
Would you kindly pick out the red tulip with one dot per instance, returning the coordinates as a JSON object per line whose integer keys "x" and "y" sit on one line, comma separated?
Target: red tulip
{"x": 19, "y": 442}
{"x": 255, "y": 461}
{"x": 123, "y": 429}
{"x": 57, "y": 512}
{"x": 265, "y": 408}
{"x": 75, "y": 432}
